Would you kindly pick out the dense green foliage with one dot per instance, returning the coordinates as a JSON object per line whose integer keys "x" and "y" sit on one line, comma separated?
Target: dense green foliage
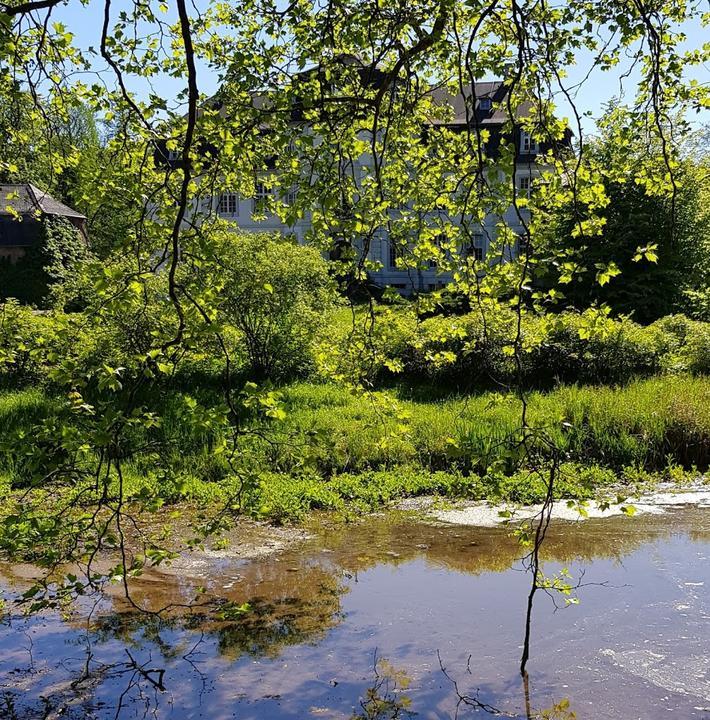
{"x": 52, "y": 260}
{"x": 336, "y": 449}
{"x": 470, "y": 351}
{"x": 651, "y": 256}
{"x": 274, "y": 292}
{"x": 328, "y": 446}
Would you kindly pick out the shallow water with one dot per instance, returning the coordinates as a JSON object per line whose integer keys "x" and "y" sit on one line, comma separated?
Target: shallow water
{"x": 384, "y": 604}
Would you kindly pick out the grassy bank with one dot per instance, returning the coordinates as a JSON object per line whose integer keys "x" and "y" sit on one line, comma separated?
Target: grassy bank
{"x": 341, "y": 450}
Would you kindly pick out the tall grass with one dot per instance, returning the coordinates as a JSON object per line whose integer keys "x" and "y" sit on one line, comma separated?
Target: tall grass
{"x": 360, "y": 443}
{"x": 643, "y": 423}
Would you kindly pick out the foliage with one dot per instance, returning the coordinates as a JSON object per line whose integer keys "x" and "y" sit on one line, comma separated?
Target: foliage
{"x": 53, "y": 259}
{"x": 470, "y": 351}
{"x": 346, "y": 454}
{"x": 324, "y": 112}
{"x": 29, "y": 341}
{"x": 276, "y": 293}
{"x": 651, "y": 255}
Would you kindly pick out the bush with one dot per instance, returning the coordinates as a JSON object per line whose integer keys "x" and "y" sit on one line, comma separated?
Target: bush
{"x": 365, "y": 345}
{"x": 464, "y": 352}
{"x": 276, "y": 293}
{"x": 685, "y": 344}
{"x": 27, "y": 337}
{"x": 588, "y": 348}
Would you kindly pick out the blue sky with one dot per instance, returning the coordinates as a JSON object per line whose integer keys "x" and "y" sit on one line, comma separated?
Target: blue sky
{"x": 599, "y": 88}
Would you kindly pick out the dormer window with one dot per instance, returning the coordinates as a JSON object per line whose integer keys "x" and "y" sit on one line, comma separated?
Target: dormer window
{"x": 485, "y": 104}
{"x": 528, "y": 146}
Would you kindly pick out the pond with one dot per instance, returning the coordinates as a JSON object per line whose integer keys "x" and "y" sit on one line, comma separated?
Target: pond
{"x": 390, "y": 615}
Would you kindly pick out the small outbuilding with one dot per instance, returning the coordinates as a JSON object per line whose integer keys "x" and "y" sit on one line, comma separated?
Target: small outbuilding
{"x": 23, "y": 211}
{"x": 41, "y": 241}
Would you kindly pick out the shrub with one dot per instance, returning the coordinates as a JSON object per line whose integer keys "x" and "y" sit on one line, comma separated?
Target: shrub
{"x": 465, "y": 352}
{"x": 365, "y": 344}
{"x": 275, "y": 292}
{"x": 685, "y": 344}
{"x": 27, "y": 337}
{"x": 580, "y": 348}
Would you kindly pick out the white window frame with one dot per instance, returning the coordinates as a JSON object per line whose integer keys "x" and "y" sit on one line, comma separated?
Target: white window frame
{"x": 261, "y": 192}
{"x": 528, "y": 146}
{"x": 525, "y": 184}
{"x": 228, "y": 204}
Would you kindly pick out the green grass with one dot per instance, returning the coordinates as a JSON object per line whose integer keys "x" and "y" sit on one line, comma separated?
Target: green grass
{"x": 344, "y": 451}
{"x": 640, "y": 424}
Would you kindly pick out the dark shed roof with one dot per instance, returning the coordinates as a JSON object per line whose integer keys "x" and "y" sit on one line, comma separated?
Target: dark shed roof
{"x": 26, "y": 199}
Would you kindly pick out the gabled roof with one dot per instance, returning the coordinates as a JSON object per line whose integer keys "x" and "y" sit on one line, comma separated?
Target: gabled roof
{"x": 26, "y": 199}
{"x": 496, "y": 91}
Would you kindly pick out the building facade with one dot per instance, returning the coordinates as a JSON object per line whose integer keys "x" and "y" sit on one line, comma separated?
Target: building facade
{"x": 481, "y": 106}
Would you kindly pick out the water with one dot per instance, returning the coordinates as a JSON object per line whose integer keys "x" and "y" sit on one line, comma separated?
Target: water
{"x": 385, "y": 605}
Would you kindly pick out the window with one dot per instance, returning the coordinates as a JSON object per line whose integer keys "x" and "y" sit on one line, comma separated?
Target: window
{"x": 174, "y": 155}
{"x": 228, "y": 204}
{"x": 485, "y": 103}
{"x": 394, "y": 254}
{"x": 290, "y": 196}
{"x": 527, "y": 144}
{"x": 261, "y": 193}
{"x": 524, "y": 185}
{"x": 474, "y": 247}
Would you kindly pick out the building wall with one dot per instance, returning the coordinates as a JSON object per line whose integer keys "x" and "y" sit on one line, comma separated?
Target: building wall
{"x": 11, "y": 253}
{"x": 241, "y": 211}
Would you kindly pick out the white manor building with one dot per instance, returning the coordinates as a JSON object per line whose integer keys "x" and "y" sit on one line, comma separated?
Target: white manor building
{"x": 485, "y": 113}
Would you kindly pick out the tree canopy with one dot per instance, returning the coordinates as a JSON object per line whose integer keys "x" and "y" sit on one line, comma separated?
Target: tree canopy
{"x": 339, "y": 109}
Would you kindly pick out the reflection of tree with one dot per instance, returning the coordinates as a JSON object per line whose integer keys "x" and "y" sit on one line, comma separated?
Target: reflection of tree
{"x": 295, "y": 597}
{"x": 269, "y": 626}
{"x": 265, "y": 626}
{"x": 384, "y": 699}
{"x": 474, "y": 550}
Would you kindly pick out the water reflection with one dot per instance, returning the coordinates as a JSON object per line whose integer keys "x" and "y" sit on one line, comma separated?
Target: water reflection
{"x": 293, "y": 635}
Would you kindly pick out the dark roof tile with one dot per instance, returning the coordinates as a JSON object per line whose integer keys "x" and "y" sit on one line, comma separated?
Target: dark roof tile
{"x": 25, "y": 199}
